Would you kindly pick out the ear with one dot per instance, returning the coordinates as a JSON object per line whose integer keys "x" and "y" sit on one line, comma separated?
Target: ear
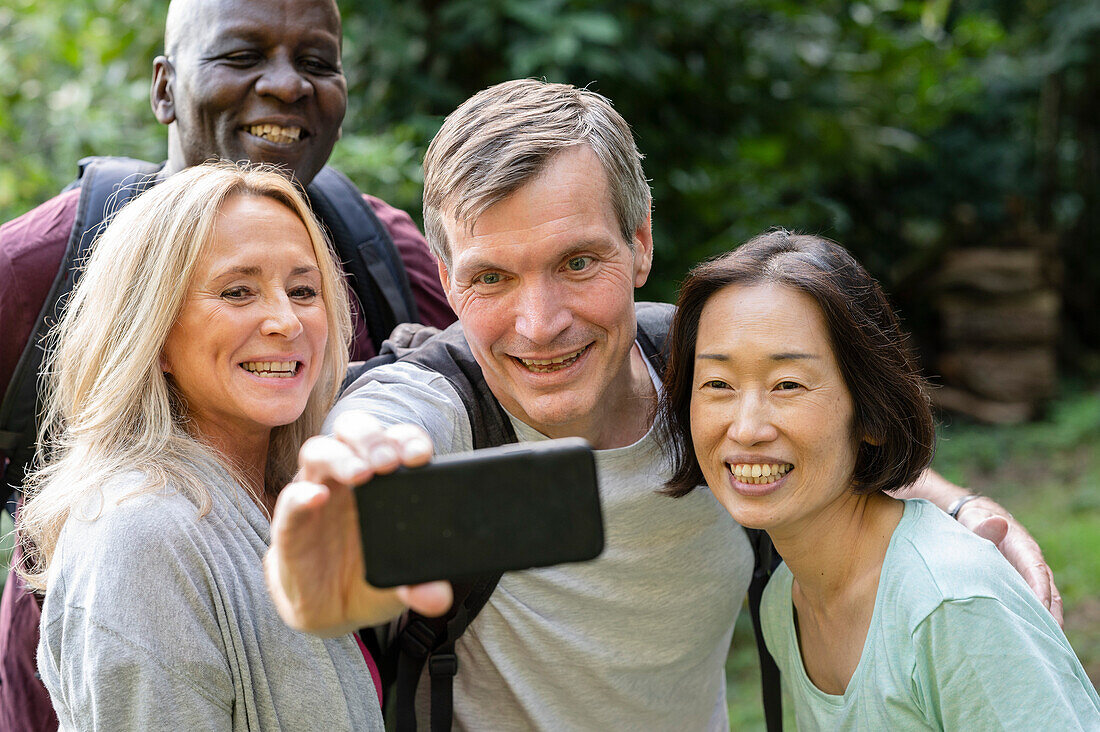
{"x": 164, "y": 367}
{"x": 873, "y": 441}
{"x": 643, "y": 251}
{"x": 162, "y": 92}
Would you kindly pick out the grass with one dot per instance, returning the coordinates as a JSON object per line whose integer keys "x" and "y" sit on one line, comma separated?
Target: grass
{"x": 1047, "y": 473}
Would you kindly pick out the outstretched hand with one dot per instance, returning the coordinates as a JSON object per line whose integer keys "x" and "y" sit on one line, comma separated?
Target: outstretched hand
{"x": 314, "y": 568}
{"x": 989, "y": 520}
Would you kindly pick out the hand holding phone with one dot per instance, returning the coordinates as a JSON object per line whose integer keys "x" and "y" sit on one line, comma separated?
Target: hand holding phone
{"x": 531, "y": 504}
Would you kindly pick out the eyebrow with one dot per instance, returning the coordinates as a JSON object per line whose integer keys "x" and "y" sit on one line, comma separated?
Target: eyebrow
{"x": 248, "y": 33}
{"x": 253, "y": 271}
{"x": 481, "y": 264}
{"x": 774, "y": 357}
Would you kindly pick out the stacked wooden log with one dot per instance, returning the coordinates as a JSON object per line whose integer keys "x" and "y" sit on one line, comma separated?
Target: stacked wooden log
{"x": 999, "y": 311}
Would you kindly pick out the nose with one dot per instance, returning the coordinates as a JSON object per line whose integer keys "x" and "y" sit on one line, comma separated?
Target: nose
{"x": 542, "y": 314}
{"x": 752, "y": 421}
{"x": 281, "y": 319}
{"x": 282, "y": 80}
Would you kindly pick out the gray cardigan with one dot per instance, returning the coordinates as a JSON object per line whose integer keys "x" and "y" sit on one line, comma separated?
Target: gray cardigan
{"x": 158, "y": 619}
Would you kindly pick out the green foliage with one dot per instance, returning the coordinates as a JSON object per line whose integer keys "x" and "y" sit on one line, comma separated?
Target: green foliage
{"x": 1046, "y": 473}
{"x": 76, "y": 83}
{"x": 882, "y": 123}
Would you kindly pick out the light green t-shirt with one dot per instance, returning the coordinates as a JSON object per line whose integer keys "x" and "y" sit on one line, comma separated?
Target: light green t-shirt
{"x": 957, "y": 641}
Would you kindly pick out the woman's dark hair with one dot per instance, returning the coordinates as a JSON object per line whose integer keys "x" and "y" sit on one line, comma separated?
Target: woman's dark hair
{"x": 891, "y": 406}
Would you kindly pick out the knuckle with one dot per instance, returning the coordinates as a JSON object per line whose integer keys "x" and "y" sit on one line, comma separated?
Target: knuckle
{"x": 356, "y": 426}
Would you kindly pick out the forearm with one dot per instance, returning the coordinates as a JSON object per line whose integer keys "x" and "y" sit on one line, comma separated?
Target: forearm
{"x": 936, "y": 489}
{"x": 933, "y": 487}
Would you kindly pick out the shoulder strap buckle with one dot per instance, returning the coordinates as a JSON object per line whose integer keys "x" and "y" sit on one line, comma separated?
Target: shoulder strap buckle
{"x": 442, "y": 664}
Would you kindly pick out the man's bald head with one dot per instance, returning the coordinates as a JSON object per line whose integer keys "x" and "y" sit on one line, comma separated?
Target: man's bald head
{"x": 257, "y": 80}
{"x": 184, "y": 15}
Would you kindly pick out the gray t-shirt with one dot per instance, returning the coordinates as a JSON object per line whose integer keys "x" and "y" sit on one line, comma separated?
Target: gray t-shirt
{"x": 158, "y": 619}
{"x": 636, "y": 639}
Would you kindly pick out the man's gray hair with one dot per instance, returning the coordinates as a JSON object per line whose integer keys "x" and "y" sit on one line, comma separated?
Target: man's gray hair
{"x": 502, "y": 137}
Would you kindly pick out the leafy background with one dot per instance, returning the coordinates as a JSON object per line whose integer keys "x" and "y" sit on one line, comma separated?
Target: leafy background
{"x": 901, "y": 128}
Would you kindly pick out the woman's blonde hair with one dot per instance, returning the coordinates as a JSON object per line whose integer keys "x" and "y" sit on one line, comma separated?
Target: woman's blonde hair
{"x": 108, "y": 408}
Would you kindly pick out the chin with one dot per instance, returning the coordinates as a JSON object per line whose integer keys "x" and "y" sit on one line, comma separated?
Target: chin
{"x": 749, "y": 516}
{"x": 557, "y": 414}
{"x": 279, "y": 418}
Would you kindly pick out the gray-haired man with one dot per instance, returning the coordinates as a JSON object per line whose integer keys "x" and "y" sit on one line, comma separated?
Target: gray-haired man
{"x": 536, "y": 205}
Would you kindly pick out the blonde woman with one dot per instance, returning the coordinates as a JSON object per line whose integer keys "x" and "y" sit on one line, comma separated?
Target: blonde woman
{"x": 203, "y": 344}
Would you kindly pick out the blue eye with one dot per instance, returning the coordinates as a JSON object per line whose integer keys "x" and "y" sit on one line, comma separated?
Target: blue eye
{"x": 578, "y": 264}
{"x": 489, "y": 278}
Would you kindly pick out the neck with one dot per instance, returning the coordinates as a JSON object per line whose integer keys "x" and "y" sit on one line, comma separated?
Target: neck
{"x": 628, "y": 414}
{"x": 175, "y": 162}
{"x": 840, "y": 549}
{"x": 246, "y": 454}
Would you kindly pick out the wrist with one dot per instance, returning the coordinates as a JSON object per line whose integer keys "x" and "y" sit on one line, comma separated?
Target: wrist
{"x": 983, "y": 503}
{"x": 957, "y": 504}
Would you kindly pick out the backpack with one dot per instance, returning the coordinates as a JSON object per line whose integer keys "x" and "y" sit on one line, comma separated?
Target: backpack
{"x": 404, "y": 648}
{"x": 371, "y": 262}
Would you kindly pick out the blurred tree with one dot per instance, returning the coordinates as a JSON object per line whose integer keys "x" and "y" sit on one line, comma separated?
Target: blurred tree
{"x": 75, "y": 83}
{"x": 882, "y": 123}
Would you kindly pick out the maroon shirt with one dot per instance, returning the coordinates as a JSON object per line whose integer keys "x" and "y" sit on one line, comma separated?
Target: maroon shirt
{"x": 31, "y": 249}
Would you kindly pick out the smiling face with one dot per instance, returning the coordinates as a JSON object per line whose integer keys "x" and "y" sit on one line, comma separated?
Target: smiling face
{"x": 771, "y": 415}
{"x": 250, "y": 80}
{"x": 248, "y": 345}
{"x": 544, "y": 287}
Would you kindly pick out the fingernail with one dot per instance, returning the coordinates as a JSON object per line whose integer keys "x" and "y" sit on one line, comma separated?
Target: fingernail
{"x": 416, "y": 447}
{"x": 351, "y": 468}
{"x": 383, "y": 455}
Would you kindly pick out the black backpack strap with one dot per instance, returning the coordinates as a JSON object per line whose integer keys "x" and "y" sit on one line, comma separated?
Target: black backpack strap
{"x": 424, "y": 641}
{"x": 448, "y": 354}
{"x": 369, "y": 257}
{"x": 766, "y": 560}
{"x": 431, "y": 641}
{"x": 654, "y": 321}
{"x": 106, "y": 185}
{"x": 418, "y": 640}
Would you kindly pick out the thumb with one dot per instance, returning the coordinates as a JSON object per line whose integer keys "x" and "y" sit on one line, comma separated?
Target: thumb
{"x": 993, "y": 528}
{"x": 431, "y": 598}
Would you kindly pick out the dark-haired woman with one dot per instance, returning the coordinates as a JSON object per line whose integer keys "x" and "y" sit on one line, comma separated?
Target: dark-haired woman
{"x": 790, "y": 391}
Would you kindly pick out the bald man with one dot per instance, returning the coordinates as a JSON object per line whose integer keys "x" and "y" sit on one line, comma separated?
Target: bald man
{"x": 240, "y": 80}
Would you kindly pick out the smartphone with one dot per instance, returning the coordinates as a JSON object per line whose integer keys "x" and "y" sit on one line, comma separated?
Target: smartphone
{"x": 531, "y": 504}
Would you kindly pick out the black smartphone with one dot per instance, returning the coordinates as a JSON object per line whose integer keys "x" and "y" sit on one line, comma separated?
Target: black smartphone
{"x": 532, "y": 504}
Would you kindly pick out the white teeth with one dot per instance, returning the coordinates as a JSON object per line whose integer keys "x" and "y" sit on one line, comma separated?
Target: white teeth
{"x": 542, "y": 365}
{"x": 277, "y": 369}
{"x": 759, "y": 473}
{"x": 275, "y": 133}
